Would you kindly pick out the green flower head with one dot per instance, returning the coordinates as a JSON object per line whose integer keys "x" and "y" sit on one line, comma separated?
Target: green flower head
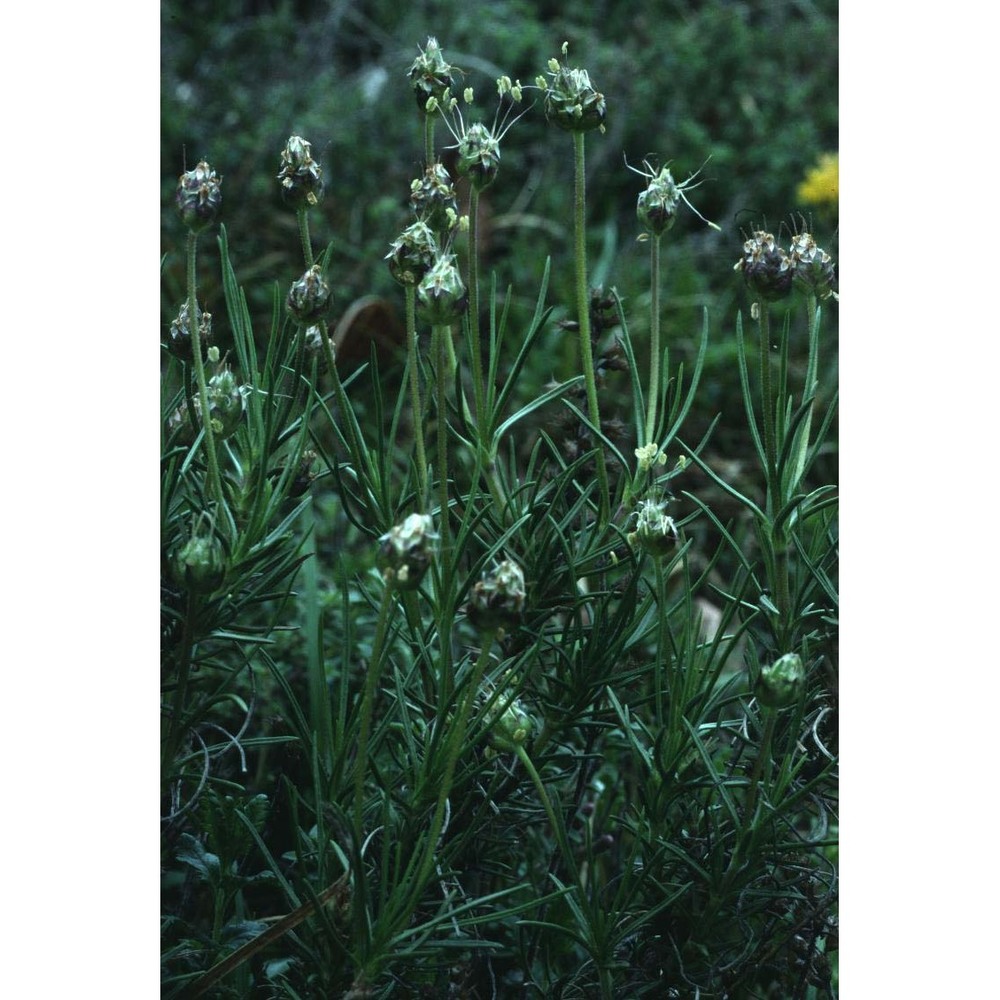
{"x": 571, "y": 101}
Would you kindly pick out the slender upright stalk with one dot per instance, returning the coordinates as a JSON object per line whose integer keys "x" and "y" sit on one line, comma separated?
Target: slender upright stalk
{"x": 214, "y": 480}
{"x": 763, "y": 758}
{"x": 774, "y": 497}
{"x": 767, "y": 400}
{"x": 303, "y": 217}
{"x": 478, "y": 386}
{"x": 476, "y": 349}
{"x": 441, "y": 334}
{"x": 654, "y": 337}
{"x": 429, "y": 138}
{"x": 416, "y": 403}
{"x": 583, "y": 312}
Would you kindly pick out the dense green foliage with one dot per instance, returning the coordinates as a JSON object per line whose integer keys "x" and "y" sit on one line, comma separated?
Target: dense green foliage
{"x": 494, "y": 663}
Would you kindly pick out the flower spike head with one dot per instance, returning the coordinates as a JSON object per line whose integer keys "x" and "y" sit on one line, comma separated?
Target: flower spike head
{"x": 412, "y": 254}
{"x": 199, "y": 197}
{"x": 479, "y": 156}
{"x": 497, "y": 600}
{"x": 301, "y": 177}
{"x": 199, "y": 565}
{"x": 766, "y": 268}
{"x": 813, "y": 270}
{"x": 511, "y": 727}
{"x": 226, "y": 403}
{"x": 309, "y": 297}
{"x": 430, "y": 76}
{"x": 656, "y": 207}
{"x": 655, "y": 532}
{"x": 441, "y": 294}
{"x": 180, "y": 332}
{"x": 781, "y": 683}
{"x": 433, "y": 199}
{"x": 571, "y": 102}
{"x": 405, "y": 552}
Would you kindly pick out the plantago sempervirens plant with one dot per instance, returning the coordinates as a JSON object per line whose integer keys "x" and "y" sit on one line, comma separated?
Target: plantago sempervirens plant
{"x": 626, "y": 782}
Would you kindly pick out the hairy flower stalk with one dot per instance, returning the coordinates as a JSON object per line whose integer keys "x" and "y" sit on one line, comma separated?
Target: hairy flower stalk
{"x": 301, "y": 180}
{"x": 478, "y": 160}
{"x": 416, "y": 404}
{"x": 768, "y": 273}
{"x": 410, "y": 257}
{"x": 442, "y": 299}
{"x": 199, "y": 198}
{"x": 814, "y": 275}
{"x": 656, "y": 209}
{"x": 572, "y": 104}
{"x": 583, "y": 312}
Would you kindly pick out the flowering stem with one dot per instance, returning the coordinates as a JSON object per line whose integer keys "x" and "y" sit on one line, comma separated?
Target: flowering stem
{"x": 767, "y": 400}
{"x": 476, "y": 349}
{"x": 774, "y": 499}
{"x": 418, "y": 409}
{"x": 654, "y": 337}
{"x": 429, "y": 138}
{"x": 441, "y": 334}
{"x": 303, "y": 217}
{"x": 214, "y": 480}
{"x": 583, "y": 311}
{"x": 475, "y": 345}
{"x": 812, "y": 314}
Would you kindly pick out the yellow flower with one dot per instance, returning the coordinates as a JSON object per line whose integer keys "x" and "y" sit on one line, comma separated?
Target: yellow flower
{"x": 821, "y": 186}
